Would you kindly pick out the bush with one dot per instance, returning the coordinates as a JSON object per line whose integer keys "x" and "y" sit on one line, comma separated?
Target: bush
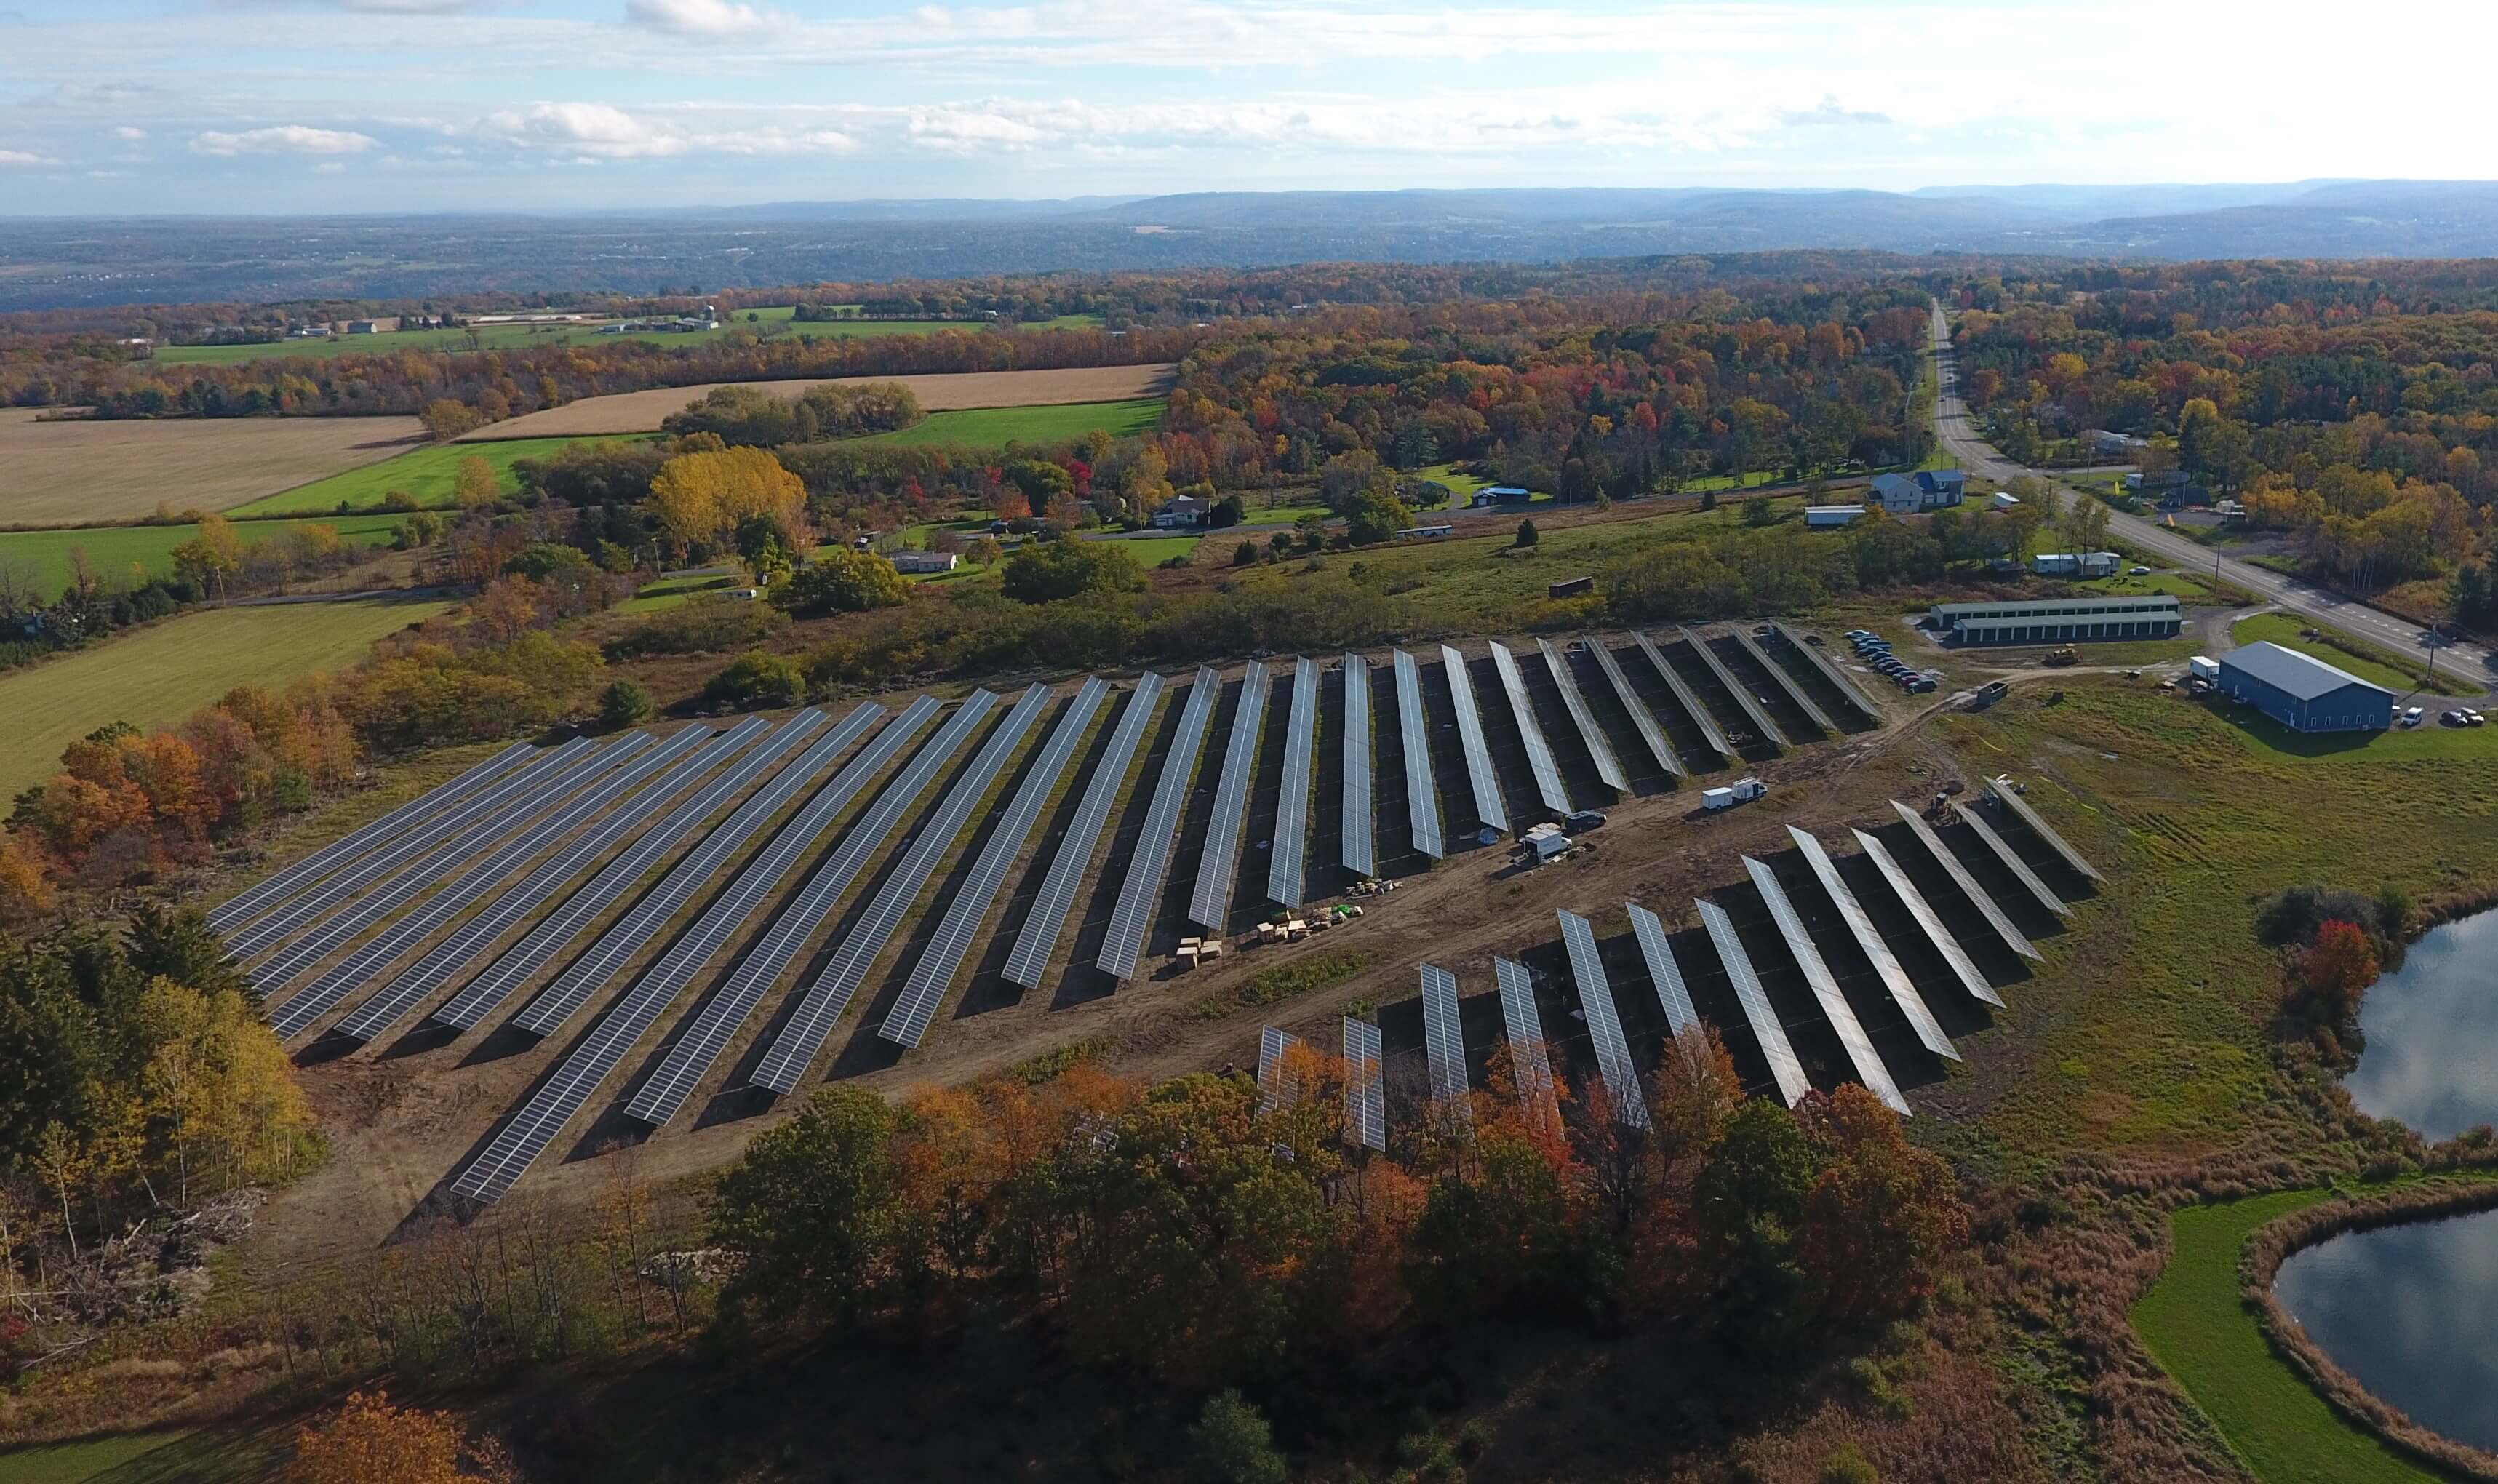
{"x": 1233, "y": 1444}
{"x": 712, "y": 623}
{"x": 757, "y": 679}
{"x": 625, "y": 703}
{"x": 1847, "y": 1466}
{"x": 843, "y": 582}
{"x": 1245, "y": 554}
{"x": 1064, "y": 568}
{"x": 1526, "y": 533}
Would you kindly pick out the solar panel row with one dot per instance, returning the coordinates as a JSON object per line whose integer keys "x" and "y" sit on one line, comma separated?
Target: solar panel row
{"x": 1772, "y": 1036}
{"x": 486, "y": 992}
{"x": 244, "y": 906}
{"x": 1290, "y": 850}
{"x": 696, "y": 872}
{"x": 478, "y": 884}
{"x": 2003, "y": 851}
{"x": 1486, "y": 783}
{"x": 1614, "y": 1062}
{"x": 1421, "y": 791}
{"x": 699, "y": 1043}
{"x": 1825, "y": 989}
{"x": 1530, "y": 1060}
{"x": 1672, "y": 994}
{"x": 1932, "y": 924}
{"x": 1047, "y": 919}
{"x": 1745, "y": 701}
{"x": 1600, "y": 749}
{"x": 1366, "y": 1100}
{"x": 1150, "y": 861}
{"x": 1218, "y": 864}
{"x": 1444, "y": 1042}
{"x": 2011, "y": 799}
{"x": 1658, "y": 747}
{"x": 1845, "y": 682}
{"x": 820, "y": 1004}
{"x": 1277, "y": 1086}
{"x": 1685, "y": 698}
{"x": 1539, "y": 752}
{"x": 383, "y": 1009}
{"x": 2012, "y": 936}
{"x": 1361, "y": 834}
{"x": 1787, "y": 683}
{"x": 582, "y": 1070}
{"x": 1886, "y": 964}
{"x": 942, "y": 955}
{"x": 282, "y": 968}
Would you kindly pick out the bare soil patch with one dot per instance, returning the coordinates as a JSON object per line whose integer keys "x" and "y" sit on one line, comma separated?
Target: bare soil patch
{"x": 77, "y": 472}
{"x": 643, "y": 411}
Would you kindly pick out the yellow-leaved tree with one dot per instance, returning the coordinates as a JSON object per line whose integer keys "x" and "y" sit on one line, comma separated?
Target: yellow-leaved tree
{"x": 699, "y": 497}
{"x": 370, "y": 1441}
{"x": 219, "y": 1091}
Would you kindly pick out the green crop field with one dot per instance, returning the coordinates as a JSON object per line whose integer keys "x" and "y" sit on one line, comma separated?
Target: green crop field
{"x": 997, "y": 426}
{"x": 427, "y": 475}
{"x": 115, "y": 550}
{"x": 161, "y": 674}
{"x": 2378, "y": 665}
{"x": 767, "y": 321}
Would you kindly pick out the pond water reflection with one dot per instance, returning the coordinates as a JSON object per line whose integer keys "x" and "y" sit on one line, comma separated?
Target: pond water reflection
{"x": 2408, "y": 1311}
{"x": 2432, "y": 1029}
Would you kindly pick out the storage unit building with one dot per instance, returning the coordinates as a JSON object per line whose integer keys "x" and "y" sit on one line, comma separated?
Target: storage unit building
{"x": 2057, "y": 620}
{"x": 2304, "y": 693}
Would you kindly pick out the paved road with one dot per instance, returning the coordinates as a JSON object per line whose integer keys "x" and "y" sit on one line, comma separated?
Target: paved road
{"x": 2471, "y": 662}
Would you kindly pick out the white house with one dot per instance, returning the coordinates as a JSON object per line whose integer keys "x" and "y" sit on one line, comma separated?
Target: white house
{"x": 916, "y": 561}
{"x": 1180, "y": 512}
{"x": 1928, "y": 490}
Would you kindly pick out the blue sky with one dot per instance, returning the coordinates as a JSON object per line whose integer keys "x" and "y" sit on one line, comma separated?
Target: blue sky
{"x": 292, "y": 106}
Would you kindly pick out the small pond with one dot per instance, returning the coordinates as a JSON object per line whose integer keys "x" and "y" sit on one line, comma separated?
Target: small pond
{"x": 2432, "y": 1029}
{"x": 2407, "y": 1311}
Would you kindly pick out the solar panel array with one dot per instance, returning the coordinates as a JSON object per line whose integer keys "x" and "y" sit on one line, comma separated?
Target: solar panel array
{"x": 1837, "y": 677}
{"x": 1786, "y": 682}
{"x": 929, "y": 979}
{"x": 383, "y": 1009}
{"x": 1685, "y": 698}
{"x": 478, "y": 883}
{"x": 1360, "y": 830}
{"x": 1485, "y": 782}
{"x": 486, "y": 992}
{"x": 1886, "y": 964}
{"x": 1047, "y": 918}
{"x": 1366, "y": 1100}
{"x": 607, "y": 955}
{"x": 2012, "y": 858}
{"x": 1604, "y": 1022}
{"x": 1825, "y": 988}
{"x": 1600, "y": 749}
{"x": 1277, "y": 1084}
{"x": 699, "y": 1043}
{"x": 1672, "y": 994}
{"x": 1218, "y": 865}
{"x": 2012, "y": 936}
{"x": 1745, "y": 701}
{"x": 1772, "y": 1036}
{"x": 1286, "y": 872}
{"x": 281, "y": 968}
{"x": 1531, "y": 1059}
{"x": 1150, "y": 862}
{"x": 820, "y": 1004}
{"x": 2012, "y": 800}
{"x": 1444, "y": 1042}
{"x": 1422, "y": 790}
{"x": 1539, "y": 752}
{"x": 276, "y": 927}
{"x": 263, "y": 895}
{"x": 1637, "y": 710}
{"x": 1935, "y": 932}
{"x": 582, "y": 1070}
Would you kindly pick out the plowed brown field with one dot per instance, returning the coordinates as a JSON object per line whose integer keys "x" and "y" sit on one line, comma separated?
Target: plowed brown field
{"x": 75, "y": 473}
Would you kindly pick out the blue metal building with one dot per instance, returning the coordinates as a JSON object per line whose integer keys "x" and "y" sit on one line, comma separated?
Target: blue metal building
{"x": 2304, "y": 693}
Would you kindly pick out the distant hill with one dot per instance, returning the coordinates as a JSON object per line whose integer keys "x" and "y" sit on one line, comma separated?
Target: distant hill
{"x": 57, "y": 262}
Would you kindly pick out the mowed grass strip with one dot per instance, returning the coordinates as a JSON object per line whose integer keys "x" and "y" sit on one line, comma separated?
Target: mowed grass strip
{"x": 158, "y": 675}
{"x": 427, "y": 475}
{"x": 997, "y": 426}
{"x": 117, "y": 551}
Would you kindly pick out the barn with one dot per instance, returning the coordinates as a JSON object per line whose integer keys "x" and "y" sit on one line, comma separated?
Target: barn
{"x": 2304, "y": 693}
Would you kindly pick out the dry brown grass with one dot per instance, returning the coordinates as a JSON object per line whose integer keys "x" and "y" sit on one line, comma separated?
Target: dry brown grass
{"x": 77, "y": 472}
{"x": 642, "y": 411}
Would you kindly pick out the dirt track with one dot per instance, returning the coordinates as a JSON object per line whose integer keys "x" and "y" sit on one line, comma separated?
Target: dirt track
{"x": 643, "y": 411}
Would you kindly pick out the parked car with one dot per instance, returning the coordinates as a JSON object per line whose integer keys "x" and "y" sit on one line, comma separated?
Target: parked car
{"x": 2412, "y": 716}
{"x": 2472, "y": 717}
{"x": 2137, "y": 572}
{"x": 2452, "y": 719}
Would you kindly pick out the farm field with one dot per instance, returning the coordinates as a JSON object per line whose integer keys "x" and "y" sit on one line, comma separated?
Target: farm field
{"x": 643, "y": 411}
{"x": 161, "y": 674}
{"x": 1058, "y": 423}
{"x": 114, "y": 550}
{"x": 524, "y": 337}
{"x": 80, "y": 472}
{"x": 428, "y": 474}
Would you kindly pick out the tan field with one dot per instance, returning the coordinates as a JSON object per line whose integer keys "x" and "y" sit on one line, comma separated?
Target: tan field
{"x": 80, "y": 473}
{"x": 643, "y": 411}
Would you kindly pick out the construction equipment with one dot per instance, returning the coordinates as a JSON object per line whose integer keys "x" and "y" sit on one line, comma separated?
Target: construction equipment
{"x": 2064, "y": 654}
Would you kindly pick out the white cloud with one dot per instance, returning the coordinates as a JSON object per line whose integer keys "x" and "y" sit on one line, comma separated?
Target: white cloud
{"x": 283, "y": 139}
{"x": 126, "y": 132}
{"x": 589, "y": 129}
{"x": 328, "y": 168}
{"x": 698, "y": 17}
{"x": 15, "y": 158}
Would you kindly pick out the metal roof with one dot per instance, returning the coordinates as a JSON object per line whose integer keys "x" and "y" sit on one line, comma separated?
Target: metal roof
{"x": 2022, "y": 607}
{"x": 2298, "y": 674}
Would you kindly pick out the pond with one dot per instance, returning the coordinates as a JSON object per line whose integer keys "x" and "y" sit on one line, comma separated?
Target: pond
{"x": 2432, "y": 1029}
{"x": 2406, "y": 1311}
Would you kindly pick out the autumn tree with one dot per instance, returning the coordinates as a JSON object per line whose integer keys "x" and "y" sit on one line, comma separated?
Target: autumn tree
{"x": 473, "y": 484}
{"x": 699, "y": 497}
{"x": 445, "y": 419}
{"x": 813, "y": 1210}
{"x": 1882, "y": 1215}
{"x": 842, "y": 580}
{"x": 2336, "y": 971}
{"x": 209, "y": 560}
{"x": 370, "y": 1439}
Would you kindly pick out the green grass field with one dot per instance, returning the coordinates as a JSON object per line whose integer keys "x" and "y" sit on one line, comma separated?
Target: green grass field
{"x": 2375, "y": 665}
{"x": 997, "y": 426}
{"x": 115, "y": 550}
{"x": 163, "y": 673}
{"x": 2197, "y": 1325}
{"x": 2176, "y": 585}
{"x": 1154, "y": 551}
{"x": 767, "y": 321}
{"x": 427, "y": 475}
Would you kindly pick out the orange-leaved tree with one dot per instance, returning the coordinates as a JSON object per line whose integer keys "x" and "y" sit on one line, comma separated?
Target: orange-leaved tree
{"x": 371, "y": 1440}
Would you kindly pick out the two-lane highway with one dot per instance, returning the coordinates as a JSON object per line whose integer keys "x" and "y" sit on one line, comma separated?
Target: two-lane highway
{"x": 2473, "y": 663}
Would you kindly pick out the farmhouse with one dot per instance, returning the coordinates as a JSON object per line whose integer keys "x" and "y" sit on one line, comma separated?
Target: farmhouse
{"x": 2056, "y": 620}
{"x": 918, "y": 562}
{"x": 1930, "y": 490}
{"x": 1179, "y": 512}
{"x": 2076, "y": 563}
{"x": 2304, "y": 693}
